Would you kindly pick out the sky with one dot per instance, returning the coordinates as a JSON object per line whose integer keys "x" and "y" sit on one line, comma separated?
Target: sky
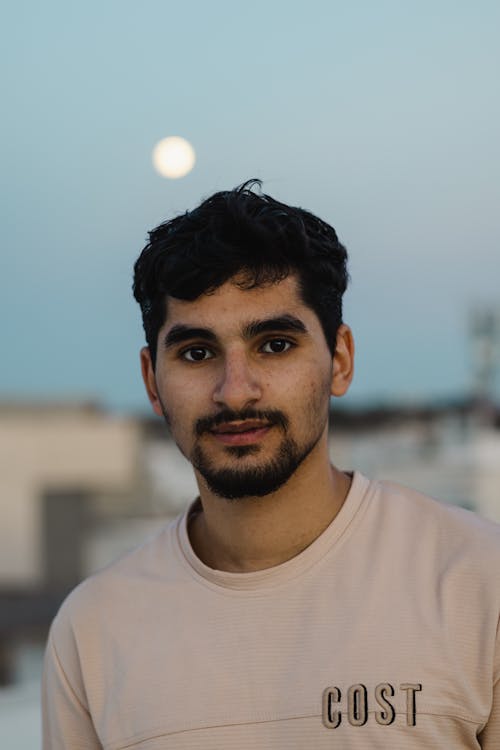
{"x": 382, "y": 118}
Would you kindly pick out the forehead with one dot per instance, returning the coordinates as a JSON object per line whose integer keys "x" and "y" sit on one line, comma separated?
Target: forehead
{"x": 230, "y": 305}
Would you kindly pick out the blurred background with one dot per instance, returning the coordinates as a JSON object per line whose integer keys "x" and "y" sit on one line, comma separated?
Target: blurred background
{"x": 382, "y": 118}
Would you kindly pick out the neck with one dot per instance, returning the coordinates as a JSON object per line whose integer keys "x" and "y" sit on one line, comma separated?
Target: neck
{"x": 254, "y": 533}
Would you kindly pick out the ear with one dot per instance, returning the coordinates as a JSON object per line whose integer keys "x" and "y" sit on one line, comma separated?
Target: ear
{"x": 148, "y": 375}
{"x": 343, "y": 361}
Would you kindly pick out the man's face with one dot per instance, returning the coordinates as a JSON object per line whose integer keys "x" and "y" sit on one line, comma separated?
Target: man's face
{"x": 243, "y": 378}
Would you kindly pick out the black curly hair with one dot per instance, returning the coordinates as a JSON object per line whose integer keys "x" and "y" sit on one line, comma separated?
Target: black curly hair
{"x": 245, "y": 233}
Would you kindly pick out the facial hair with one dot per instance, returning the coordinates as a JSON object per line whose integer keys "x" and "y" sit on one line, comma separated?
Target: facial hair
{"x": 257, "y": 480}
{"x": 252, "y": 481}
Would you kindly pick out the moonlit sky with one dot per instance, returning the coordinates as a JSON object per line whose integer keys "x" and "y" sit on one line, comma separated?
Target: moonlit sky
{"x": 383, "y": 118}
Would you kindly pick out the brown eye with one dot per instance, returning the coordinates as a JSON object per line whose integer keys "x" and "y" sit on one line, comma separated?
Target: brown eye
{"x": 196, "y": 354}
{"x": 276, "y": 346}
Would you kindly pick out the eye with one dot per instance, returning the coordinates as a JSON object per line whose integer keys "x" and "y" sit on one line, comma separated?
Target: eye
{"x": 276, "y": 346}
{"x": 196, "y": 354}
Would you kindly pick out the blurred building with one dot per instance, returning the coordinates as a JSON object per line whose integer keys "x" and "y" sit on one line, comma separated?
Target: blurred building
{"x": 62, "y": 468}
{"x": 448, "y": 451}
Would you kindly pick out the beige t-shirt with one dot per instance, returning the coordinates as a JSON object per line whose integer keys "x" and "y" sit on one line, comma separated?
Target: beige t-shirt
{"x": 383, "y": 633}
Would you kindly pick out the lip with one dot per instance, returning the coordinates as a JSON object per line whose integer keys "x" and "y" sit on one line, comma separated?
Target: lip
{"x": 251, "y": 433}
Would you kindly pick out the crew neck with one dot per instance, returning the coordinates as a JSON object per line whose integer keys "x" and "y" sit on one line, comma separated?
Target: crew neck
{"x": 278, "y": 574}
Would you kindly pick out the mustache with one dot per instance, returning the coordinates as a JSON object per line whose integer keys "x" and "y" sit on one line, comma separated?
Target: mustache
{"x": 271, "y": 416}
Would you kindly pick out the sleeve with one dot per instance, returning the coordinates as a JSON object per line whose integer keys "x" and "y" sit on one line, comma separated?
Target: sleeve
{"x": 489, "y": 739}
{"x": 66, "y": 721}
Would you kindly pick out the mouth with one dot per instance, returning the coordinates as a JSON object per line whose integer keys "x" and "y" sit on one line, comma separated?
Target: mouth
{"x": 241, "y": 433}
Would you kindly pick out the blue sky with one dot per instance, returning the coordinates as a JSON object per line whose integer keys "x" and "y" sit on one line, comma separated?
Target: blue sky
{"x": 382, "y": 118}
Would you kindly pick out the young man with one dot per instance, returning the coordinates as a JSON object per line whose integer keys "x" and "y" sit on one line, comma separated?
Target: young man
{"x": 293, "y": 605}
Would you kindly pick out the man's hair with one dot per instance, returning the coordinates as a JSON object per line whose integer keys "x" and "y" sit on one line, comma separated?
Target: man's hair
{"x": 246, "y": 234}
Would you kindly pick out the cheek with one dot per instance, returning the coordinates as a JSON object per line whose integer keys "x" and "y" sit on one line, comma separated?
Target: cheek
{"x": 319, "y": 396}
{"x": 174, "y": 389}
{"x": 313, "y": 381}
{"x": 183, "y": 400}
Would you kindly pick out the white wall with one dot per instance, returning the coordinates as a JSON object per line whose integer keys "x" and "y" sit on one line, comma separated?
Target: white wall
{"x": 62, "y": 447}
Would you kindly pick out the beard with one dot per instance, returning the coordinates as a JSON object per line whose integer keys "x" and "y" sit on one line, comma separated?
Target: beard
{"x": 252, "y": 481}
{"x": 260, "y": 478}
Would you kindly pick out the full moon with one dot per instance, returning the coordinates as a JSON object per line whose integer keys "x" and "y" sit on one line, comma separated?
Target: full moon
{"x": 173, "y": 157}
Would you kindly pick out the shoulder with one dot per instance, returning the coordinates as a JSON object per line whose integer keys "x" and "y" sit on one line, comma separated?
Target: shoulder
{"x": 446, "y": 555}
{"x": 428, "y": 521}
{"x": 418, "y": 504}
{"x": 114, "y": 589}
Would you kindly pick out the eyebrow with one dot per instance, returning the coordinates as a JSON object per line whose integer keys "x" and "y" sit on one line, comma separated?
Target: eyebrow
{"x": 181, "y": 332}
{"x": 282, "y": 323}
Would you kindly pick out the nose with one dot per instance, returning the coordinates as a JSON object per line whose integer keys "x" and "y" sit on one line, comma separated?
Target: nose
{"x": 238, "y": 384}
